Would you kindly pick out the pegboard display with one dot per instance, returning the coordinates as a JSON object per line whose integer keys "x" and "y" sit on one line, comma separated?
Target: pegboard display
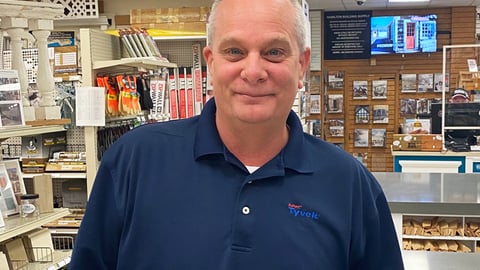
{"x": 75, "y": 9}
{"x": 75, "y": 139}
{"x": 30, "y": 60}
{"x": 180, "y": 51}
{"x": 12, "y": 147}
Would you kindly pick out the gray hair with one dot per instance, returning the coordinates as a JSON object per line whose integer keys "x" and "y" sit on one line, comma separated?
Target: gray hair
{"x": 299, "y": 26}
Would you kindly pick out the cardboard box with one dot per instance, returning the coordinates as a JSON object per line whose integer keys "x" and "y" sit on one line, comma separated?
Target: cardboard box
{"x": 38, "y": 244}
{"x": 42, "y": 185}
{"x": 16, "y": 253}
{"x": 34, "y": 165}
{"x": 196, "y": 27}
{"x": 417, "y": 142}
{"x": 169, "y": 15}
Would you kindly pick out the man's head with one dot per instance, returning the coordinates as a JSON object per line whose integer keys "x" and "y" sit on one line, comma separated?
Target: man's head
{"x": 460, "y": 95}
{"x": 257, "y": 58}
{"x": 299, "y": 22}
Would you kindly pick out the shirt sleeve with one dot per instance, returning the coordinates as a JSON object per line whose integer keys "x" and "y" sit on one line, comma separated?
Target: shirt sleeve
{"x": 96, "y": 246}
{"x": 377, "y": 245}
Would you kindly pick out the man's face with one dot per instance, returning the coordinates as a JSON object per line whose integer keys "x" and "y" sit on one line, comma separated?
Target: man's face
{"x": 458, "y": 99}
{"x": 255, "y": 64}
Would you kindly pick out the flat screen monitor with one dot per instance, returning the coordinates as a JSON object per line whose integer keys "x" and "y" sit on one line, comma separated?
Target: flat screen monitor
{"x": 403, "y": 34}
{"x": 463, "y": 119}
{"x": 462, "y": 114}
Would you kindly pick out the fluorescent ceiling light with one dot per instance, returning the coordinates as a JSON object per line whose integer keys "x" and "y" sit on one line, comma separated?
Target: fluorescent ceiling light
{"x": 407, "y": 1}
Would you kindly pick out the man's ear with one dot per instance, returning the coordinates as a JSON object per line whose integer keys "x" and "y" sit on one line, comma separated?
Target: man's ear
{"x": 304, "y": 64}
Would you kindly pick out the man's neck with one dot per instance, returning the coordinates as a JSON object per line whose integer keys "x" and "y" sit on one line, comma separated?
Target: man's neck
{"x": 253, "y": 145}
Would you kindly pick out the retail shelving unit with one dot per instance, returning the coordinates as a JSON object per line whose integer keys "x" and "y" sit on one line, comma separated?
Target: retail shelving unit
{"x": 16, "y": 226}
{"x": 101, "y": 52}
{"x": 20, "y": 131}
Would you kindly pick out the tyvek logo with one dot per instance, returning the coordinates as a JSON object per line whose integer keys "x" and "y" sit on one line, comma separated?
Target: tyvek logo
{"x": 296, "y": 210}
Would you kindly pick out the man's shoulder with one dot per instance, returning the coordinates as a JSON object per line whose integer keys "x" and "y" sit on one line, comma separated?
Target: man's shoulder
{"x": 183, "y": 127}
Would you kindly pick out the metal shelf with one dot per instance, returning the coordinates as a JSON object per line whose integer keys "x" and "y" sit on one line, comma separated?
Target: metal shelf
{"x": 20, "y": 131}
{"x": 16, "y": 225}
{"x": 59, "y": 175}
{"x": 61, "y": 258}
{"x": 138, "y": 62}
{"x": 176, "y": 38}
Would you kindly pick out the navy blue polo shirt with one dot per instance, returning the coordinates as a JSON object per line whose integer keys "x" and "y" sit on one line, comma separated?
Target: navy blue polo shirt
{"x": 171, "y": 196}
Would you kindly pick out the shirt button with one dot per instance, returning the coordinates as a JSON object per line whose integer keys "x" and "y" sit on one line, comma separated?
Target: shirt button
{"x": 246, "y": 210}
{"x": 250, "y": 182}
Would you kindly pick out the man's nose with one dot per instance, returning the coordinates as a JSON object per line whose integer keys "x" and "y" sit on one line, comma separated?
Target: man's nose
{"x": 253, "y": 70}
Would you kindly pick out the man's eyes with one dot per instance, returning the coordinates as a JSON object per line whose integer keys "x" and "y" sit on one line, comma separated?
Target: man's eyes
{"x": 234, "y": 51}
{"x": 269, "y": 54}
{"x": 274, "y": 52}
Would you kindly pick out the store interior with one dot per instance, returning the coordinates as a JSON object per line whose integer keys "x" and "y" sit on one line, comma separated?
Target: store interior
{"x": 387, "y": 99}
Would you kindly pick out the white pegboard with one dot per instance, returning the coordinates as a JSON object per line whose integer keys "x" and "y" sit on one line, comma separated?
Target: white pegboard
{"x": 179, "y": 51}
{"x": 75, "y": 139}
{"x": 12, "y": 147}
{"x": 77, "y": 9}
{"x": 30, "y": 60}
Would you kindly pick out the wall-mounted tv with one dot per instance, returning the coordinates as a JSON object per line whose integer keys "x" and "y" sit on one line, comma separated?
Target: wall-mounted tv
{"x": 403, "y": 34}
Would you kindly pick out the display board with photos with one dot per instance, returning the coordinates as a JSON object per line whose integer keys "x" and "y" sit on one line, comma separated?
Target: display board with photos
{"x": 418, "y": 104}
{"x": 374, "y": 107}
{"x": 369, "y": 113}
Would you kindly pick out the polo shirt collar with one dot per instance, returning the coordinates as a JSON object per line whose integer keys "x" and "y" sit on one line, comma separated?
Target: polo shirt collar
{"x": 294, "y": 155}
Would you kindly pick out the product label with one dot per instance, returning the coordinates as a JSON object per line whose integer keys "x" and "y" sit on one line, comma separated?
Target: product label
{"x": 28, "y": 208}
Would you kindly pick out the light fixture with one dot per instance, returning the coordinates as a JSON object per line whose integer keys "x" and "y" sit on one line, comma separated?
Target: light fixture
{"x": 407, "y": 1}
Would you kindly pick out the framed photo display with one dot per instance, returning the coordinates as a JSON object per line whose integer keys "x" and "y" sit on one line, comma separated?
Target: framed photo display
{"x": 440, "y": 82}
{"x": 378, "y": 137}
{"x": 425, "y": 82}
{"x": 335, "y": 103}
{"x": 379, "y": 89}
{"x": 11, "y": 109}
{"x": 362, "y": 114}
{"x": 360, "y": 89}
{"x": 409, "y": 83}
{"x": 8, "y": 202}
{"x": 361, "y": 137}
{"x": 315, "y": 104}
{"x": 335, "y": 80}
{"x": 16, "y": 177}
{"x": 336, "y": 127}
{"x": 380, "y": 114}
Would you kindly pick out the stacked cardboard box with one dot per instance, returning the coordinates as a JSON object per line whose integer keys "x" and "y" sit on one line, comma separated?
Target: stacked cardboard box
{"x": 185, "y": 19}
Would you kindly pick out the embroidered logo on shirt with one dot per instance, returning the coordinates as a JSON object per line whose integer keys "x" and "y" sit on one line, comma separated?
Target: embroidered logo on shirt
{"x": 297, "y": 211}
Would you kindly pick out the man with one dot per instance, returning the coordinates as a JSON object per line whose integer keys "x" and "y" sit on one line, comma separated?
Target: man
{"x": 241, "y": 186}
{"x": 460, "y": 95}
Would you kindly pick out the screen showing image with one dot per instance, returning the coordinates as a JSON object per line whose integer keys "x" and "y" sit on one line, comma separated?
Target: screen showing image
{"x": 403, "y": 34}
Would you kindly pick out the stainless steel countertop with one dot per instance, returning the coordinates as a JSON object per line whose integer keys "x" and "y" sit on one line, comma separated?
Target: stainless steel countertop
{"x": 424, "y": 260}
{"x": 434, "y": 193}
